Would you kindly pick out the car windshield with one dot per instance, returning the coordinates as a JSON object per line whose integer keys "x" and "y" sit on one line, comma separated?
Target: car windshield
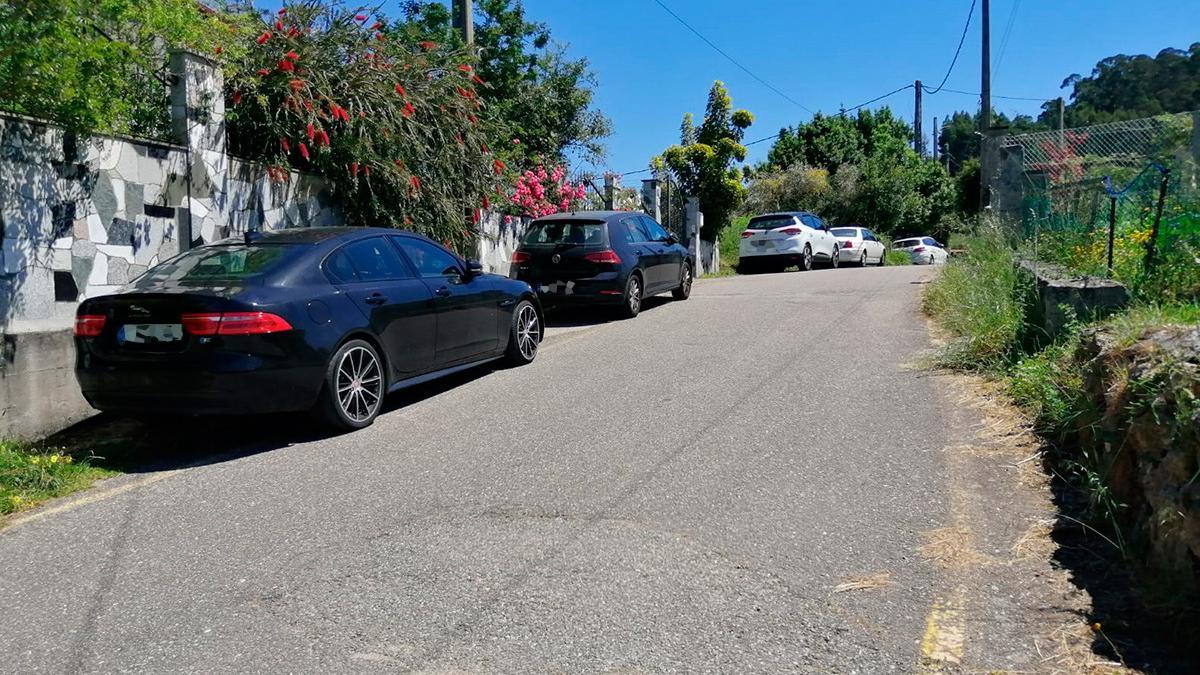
{"x": 907, "y": 243}
{"x": 553, "y": 232}
{"x": 844, "y": 231}
{"x": 224, "y": 263}
{"x": 770, "y": 222}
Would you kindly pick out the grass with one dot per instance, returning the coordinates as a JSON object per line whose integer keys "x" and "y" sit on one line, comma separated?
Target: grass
{"x": 30, "y": 475}
{"x": 893, "y": 258}
{"x": 978, "y": 299}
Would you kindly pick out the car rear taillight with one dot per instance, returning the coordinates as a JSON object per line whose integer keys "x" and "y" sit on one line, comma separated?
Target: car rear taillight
{"x": 89, "y": 325}
{"x": 609, "y": 257}
{"x": 747, "y": 234}
{"x": 234, "y": 323}
{"x": 919, "y": 249}
{"x": 849, "y": 243}
{"x": 519, "y": 257}
{"x": 790, "y": 231}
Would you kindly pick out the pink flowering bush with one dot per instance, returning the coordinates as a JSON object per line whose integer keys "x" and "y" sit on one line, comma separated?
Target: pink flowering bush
{"x": 541, "y": 193}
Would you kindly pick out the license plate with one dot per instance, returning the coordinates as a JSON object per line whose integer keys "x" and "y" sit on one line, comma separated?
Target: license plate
{"x": 558, "y": 288}
{"x": 149, "y": 333}
{"x": 763, "y": 244}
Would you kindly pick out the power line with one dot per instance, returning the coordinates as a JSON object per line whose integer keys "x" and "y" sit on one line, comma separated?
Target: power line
{"x": 878, "y": 98}
{"x": 732, "y": 60}
{"x": 1012, "y": 20}
{"x": 1010, "y": 98}
{"x": 958, "y": 51}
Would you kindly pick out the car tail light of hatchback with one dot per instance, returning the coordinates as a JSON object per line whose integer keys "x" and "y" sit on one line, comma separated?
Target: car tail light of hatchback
{"x": 919, "y": 249}
{"x": 747, "y": 234}
{"x": 519, "y": 257}
{"x": 607, "y": 257}
{"x": 790, "y": 231}
{"x": 234, "y": 323}
{"x": 849, "y": 243}
{"x": 89, "y": 325}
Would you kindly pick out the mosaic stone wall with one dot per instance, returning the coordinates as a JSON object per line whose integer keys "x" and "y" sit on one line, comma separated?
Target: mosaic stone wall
{"x": 80, "y": 217}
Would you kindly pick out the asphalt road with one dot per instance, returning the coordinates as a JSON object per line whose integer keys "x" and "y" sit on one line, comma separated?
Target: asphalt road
{"x": 682, "y": 491}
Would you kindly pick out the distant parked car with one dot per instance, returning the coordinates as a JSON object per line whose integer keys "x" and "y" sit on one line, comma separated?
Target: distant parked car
{"x": 922, "y": 250}
{"x": 602, "y": 258}
{"x": 859, "y": 245}
{"x": 776, "y": 240}
{"x": 323, "y": 319}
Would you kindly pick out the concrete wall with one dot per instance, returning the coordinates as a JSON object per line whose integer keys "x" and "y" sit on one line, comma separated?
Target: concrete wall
{"x": 499, "y": 236}
{"x": 82, "y": 216}
{"x": 1061, "y": 297}
{"x": 38, "y": 392}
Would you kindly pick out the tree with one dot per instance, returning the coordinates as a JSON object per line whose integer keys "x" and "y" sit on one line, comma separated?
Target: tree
{"x": 100, "y": 65}
{"x": 1125, "y": 87}
{"x": 704, "y": 169}
{"x": 394, "y": 127}
{"x": 538, "y": 96}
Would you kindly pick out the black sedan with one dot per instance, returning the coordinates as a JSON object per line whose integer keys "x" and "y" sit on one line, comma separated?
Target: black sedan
{"x": 602, "y": 258}
{"x": 324, "y": 319}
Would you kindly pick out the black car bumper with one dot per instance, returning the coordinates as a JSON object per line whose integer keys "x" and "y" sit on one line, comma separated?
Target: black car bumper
{"x": 605, "y": 289}
{"x": 197, "y": 390}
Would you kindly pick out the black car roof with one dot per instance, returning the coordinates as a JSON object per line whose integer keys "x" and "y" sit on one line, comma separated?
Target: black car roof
{"x": 310, "y": 235}
{"x": 588, "y": 215}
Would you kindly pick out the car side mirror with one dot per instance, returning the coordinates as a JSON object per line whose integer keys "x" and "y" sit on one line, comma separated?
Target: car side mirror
{"x": 671, "y": 240}
{"x": 474, "y": 268}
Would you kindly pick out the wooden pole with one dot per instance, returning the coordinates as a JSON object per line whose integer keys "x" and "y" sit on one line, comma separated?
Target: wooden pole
{"x": 918, "y": 132}
{"x": 464, "y": 20}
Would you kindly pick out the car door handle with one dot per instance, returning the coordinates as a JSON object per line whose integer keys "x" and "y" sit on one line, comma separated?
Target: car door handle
{"x": 442, "y": 292}
{"x": 638, "y": 253}
{"x": 375, "y": 299}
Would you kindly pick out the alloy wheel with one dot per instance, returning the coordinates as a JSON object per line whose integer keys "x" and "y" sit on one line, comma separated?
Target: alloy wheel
{"x": 862, "y": 260}
{"x": 359, "y": 384}
{"x": 528, "y": 331}
{"x": 836, "y": 260}
{"x": 635, "y": 295}
{"x": 808, "y": 259}
{"x": 685, "y": 284}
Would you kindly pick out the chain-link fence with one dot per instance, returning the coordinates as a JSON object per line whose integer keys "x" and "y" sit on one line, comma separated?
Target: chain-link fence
{"x": 1119, "y": 200}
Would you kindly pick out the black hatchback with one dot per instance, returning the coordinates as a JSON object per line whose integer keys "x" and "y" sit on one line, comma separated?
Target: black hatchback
{"x": 330, "y": 319}
{"x": 608, "y": 258}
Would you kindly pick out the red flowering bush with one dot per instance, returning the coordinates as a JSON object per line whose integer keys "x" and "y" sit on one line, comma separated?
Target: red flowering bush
{"x": 541, "y": 193}
{"x": 392, "y": 126}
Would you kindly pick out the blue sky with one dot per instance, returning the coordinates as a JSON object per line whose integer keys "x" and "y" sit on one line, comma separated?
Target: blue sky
{"x": 828, "y": 54}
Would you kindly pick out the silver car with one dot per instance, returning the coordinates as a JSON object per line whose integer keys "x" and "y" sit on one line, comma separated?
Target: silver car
{"x": 922, "y": 250}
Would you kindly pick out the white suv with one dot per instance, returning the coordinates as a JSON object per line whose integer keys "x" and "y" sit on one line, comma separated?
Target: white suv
{"x": 777, "y": 240}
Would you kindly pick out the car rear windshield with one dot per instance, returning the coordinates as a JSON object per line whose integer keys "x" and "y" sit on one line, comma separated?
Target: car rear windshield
{"x": 238, "y": 262}
{"x": 770, "y": 222}
{"x": 552, "y": 232}
{"x": 906, "y": 243}
{"x": 844, "y": 231}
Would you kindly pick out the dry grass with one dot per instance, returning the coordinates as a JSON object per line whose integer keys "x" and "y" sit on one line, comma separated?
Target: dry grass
{"x": 952, "y": 547}
{"x": 863, "y": 583}
{"x": 1036, "y": 543}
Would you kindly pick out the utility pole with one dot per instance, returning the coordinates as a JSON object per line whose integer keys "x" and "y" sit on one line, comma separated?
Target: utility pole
{"x": 464, "y": 20}
{"x": 918, "y": 132}
{"x": 1061, "y": 118}
{"x": 936, "y": 140}
{"x": 985, "y": 108}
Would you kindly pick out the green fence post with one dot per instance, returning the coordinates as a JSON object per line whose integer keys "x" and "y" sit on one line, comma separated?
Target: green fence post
{"x": 1162, "y": 198}
{"x": 1112, "y": 232}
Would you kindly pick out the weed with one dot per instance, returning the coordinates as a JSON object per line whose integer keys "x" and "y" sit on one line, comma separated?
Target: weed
{"x": 30, "y": 475}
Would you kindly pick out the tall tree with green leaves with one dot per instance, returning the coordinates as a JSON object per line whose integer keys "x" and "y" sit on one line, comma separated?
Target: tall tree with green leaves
{"x": 705, "y": 168}
{"x": 540, "y": 97}
{"x": 1125, "y": 87}
{"x": 101, "y": 65}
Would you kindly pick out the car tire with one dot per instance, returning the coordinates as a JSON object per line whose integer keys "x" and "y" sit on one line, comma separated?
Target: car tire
{"x": 835, "y": 260}
{"x": 354, "y": 387}
{"x": 685, "y": 283}
{"x": 631, "y": 304}
{"x": 862, "y": 260}
{"x": 524, "y": 335}
{"x": 882, "y": 258}
{"x": 806, "y": 260}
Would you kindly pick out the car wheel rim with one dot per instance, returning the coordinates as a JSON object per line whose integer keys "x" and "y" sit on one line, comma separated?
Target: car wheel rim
{"x": 528, "y": 330}
{"x": 359, "y": 384}
{"x": 635, "y": 295}
{"x": 686, "y": 283}
{"x": 807, "y": 259}
{"x": 837, "y": 258}
{"x": 863, "y": 261}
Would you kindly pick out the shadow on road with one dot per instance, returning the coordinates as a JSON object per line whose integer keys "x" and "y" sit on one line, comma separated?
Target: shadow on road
{"x": 177, "y": 442}
{"x": 576, "y": 317}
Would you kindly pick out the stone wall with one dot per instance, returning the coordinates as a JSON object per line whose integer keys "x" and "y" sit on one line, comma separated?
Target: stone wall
{"x": 82, "y": 216}
{"x": 1062, "y": 297}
